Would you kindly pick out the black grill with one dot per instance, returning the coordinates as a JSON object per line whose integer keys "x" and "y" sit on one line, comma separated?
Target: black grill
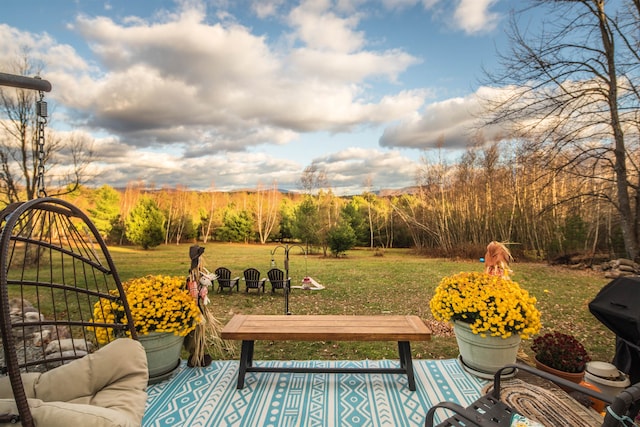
{"x": 617, "y": 306}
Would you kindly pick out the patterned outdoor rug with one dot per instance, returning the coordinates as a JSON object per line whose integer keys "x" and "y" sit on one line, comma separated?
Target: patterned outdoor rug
{"x": 208, "y": 396}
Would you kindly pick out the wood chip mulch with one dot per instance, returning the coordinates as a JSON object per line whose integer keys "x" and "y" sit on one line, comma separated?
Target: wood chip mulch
{"x": 440, "y": 329}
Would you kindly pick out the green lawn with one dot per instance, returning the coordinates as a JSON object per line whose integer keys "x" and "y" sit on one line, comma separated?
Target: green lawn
{"x": 398, "y": 282}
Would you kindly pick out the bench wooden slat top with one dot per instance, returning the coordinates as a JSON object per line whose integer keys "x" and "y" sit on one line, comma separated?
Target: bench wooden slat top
{"x": 326, "y": 328}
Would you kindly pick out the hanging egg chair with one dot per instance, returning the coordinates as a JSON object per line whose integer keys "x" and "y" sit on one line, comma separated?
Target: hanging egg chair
{"x": 55, "y": 275}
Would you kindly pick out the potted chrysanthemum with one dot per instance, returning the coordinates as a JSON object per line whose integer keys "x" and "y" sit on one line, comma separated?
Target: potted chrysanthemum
{"x": 561, "y": 354}
{"x": 163, "y": 313}
{"x": 491, "y": 314}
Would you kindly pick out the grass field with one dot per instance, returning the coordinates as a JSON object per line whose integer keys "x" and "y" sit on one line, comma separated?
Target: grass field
{"x": 398, "y": 282}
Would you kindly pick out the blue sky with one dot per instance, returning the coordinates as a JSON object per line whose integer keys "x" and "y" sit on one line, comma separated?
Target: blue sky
{"x": 231, "y": 94}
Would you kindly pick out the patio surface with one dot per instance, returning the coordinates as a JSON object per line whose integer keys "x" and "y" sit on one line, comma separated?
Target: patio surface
{"x": 208, "y": 396}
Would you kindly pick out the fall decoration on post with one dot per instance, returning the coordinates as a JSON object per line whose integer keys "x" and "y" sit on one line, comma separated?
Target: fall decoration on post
{"x": 497, "y": 259}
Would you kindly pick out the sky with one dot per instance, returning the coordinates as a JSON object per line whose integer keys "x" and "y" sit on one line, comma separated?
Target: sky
{"x": 237, "y": 94}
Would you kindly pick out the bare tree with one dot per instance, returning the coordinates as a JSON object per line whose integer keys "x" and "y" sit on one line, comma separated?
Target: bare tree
{"x": 573, "y": 97}
{"x": 206, "y": 227}
{"x": 267, "y": 202}
{"x": 313, "y": 179}
{"x": 24, "y": 152}
{"x": 434, "y": 178}
{"x": 368, "y": 196}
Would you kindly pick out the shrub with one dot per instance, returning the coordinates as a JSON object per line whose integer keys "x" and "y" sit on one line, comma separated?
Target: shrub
{"x": 145, "y": 224}
{"x": 341, "y": 238}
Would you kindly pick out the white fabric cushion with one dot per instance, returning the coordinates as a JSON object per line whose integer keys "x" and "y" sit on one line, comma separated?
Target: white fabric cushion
{"x": 63, "y": 414}
{"x": 105, "y": 388}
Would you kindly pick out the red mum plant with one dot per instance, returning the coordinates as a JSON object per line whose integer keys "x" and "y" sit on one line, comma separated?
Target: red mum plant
{"x": 560, "y": 351}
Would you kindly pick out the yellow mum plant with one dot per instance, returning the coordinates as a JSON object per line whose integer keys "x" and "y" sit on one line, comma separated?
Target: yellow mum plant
{"x": 157, "y": 304}
{"x": 491, "y": 305}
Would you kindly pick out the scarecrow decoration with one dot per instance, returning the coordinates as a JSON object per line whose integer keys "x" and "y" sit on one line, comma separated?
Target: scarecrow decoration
{"x": 497, "y": 260}
{"x": 208, "y": 331}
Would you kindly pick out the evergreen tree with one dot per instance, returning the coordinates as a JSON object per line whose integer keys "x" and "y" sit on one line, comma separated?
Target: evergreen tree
{"x": 352, "y": 212}
{"x": 341, "y": 238}
{"x": 236, "y": 227}
{"x": 145, "y": 224}
{"x": 287, "y": 219}
{"x": 106, "y": 211}
{"x": 307, "y": 221}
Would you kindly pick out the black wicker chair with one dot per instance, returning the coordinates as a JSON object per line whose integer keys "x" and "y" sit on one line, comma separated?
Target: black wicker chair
{"x": 55, "y": 270}
{"x": 490, "y": 411}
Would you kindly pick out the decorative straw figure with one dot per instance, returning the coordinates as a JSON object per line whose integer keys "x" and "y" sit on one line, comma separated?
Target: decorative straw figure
{"x": 194, "y": 343}
{"x": 497, "y": 260}
{"x": 207, "y": 333}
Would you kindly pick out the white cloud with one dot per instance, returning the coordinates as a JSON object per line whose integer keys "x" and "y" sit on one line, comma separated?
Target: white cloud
{"x": 474, "y": 16}
{"x": 266, "y": 8}
{"x": 189, "y": 72}
{"x": 351, "y": 67}
{"x": 471, "y": 16}
{"x": 209, "y": 92}
{"x": 449, "y": 124}
{"x": 351, "y": 168}
{"x": 319, "y": 28}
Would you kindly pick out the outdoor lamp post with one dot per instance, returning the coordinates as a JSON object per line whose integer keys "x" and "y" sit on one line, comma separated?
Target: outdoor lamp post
{"x": 287, "y": 282}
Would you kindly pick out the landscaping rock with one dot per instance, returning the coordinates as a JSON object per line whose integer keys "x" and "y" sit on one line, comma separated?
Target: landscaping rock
{"x": 69, "y": 344}
{"x": 42, "y": 341}
{"x": 620, "y": 267}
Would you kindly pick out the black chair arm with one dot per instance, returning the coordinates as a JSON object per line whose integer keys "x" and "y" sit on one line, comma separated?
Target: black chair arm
{"x": 626, "y": 402}
{"x": 473, "y": 418}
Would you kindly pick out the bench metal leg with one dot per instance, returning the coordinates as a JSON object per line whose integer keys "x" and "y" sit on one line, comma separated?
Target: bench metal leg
{"x": 246, "y": 360}
{"x": 404, "y": 348}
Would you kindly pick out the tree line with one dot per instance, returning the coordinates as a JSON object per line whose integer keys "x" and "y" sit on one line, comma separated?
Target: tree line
{"x": 455, "y": 209}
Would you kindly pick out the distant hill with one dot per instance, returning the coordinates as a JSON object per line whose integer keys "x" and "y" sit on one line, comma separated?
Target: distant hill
{"x": 385, "y": 192}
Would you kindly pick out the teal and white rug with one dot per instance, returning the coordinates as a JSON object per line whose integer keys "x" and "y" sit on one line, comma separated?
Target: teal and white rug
{"x": 208, "y": 396}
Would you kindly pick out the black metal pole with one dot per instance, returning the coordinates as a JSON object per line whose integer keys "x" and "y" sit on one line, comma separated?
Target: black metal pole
{"x": 24, "y": 82}
{"x": 287, "y": 282}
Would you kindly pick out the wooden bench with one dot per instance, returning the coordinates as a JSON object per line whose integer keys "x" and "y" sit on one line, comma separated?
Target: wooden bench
{"x": 249, "y": 328}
